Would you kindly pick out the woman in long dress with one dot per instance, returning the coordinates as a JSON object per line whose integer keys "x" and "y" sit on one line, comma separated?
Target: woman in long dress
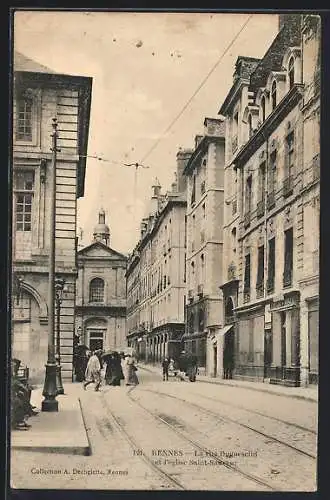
{"x": 130, "y": 371}
{"x": 93, "y": 372}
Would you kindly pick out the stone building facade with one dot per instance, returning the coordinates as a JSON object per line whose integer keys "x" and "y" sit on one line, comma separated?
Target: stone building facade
{"x": 272, "y": 183}
{"x": 156, "y": 274}
{"x": 204, "y": 242}
{"x": 39, "y": 95}
{"x": 101, "y": 292}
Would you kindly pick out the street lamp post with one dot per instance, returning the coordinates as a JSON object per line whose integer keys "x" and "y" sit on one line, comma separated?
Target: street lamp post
{"x": 59, "y": 288}
{"x": 50, "y": 390}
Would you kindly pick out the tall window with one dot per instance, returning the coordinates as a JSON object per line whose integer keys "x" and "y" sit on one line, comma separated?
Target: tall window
{"x": 290, "y": 153}
{"x": 274, "y": 95}
{"x": 203, "y": 268}
{"x": 96, "y": 290}
{"x": 24, "y": 193}
{"x": 291, "y": 72}
{"x": 248, "y": 194}
{"x": 247, "y": 277}
{"x": 260, "y": 272}
{"x": 193, "y": 191}
{"x": 233, "y": 241}
{"x": 289, "y": 165}
{"x": 193, "y": 274}
{"x": 271, "y": 265}
{"x": 250, "y": 125}
{"x": 272, "y": 175}
{"x": 235, "y": 132}
{"x": 24, "y": 119}
{"x": 262, "y": 181}
{"x": 272, "y": 171}
{"x": 288, "y": 257}
{"x": 263, "y": 108}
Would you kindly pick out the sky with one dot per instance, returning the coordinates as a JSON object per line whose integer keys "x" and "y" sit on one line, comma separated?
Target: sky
{"x": 145, "y": 67}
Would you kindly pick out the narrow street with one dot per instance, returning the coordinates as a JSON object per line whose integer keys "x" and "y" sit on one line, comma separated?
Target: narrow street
{"x": 180, "y": 435}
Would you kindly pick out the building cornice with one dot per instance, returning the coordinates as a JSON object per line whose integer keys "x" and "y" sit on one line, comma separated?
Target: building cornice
{"x": 228, "y": 102}
{"x": 289, "y": 101}
{"x": 200, "y": 150}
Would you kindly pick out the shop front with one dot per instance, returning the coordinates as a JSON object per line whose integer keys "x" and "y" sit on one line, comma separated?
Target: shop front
{"x": 250, "y": 343}
{"x": 285, "y": 365}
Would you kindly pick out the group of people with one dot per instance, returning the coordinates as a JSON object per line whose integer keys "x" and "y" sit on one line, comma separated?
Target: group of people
{"x": 118, "y": 366}
{"x": 187, "y": 364}
{"x": 21, "y": 407}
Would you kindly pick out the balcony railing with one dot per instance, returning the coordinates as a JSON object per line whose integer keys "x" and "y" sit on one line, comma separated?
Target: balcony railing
{"x": 287, "y": 278}
{"x": 260, "y": 208}
{"x": 271, "y": 200}
{"x": 234, "y": 144}
{"x": 234, "y": 207}
{"x": 287, "y": 186}
{"x": 247, "y": 219}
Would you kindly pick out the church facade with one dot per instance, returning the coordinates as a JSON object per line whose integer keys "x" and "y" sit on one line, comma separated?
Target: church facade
{"x": 101, "y": 292}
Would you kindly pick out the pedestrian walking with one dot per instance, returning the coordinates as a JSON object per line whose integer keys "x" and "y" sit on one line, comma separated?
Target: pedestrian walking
{"x": 113, "y": 373}
{"x": 93, "y": 372}
{"x": 130, "y": 371}
{"x": 165, "y": 366}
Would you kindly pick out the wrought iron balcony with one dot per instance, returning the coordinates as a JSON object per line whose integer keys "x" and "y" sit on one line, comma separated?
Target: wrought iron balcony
{"x": 247, "y": 219}
{"x": 287, "y": 186}
{"x": 271, "y": 200}
{"x": 260, "y": 208}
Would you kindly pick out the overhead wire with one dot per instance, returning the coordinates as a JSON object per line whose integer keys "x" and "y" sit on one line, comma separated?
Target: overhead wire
{"x": 200, "y": 86}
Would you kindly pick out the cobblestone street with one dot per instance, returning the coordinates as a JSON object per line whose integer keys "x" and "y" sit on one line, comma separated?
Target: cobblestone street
{"x": 181, "y": 435}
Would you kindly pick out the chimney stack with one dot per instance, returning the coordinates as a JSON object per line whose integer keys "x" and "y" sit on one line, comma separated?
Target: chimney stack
{"x": 182, "y": 158}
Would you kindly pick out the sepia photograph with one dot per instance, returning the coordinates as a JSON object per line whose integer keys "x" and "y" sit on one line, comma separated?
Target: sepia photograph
{"x": 164, "y": 250}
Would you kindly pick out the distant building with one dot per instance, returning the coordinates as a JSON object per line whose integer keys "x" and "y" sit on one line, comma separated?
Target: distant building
{"x": 156, "y": 274}
{"x": 39, "y": 95}
{"x": 272, "y": 207}
{"x": 204, "y": 253}
{"x": 101, "y": 292}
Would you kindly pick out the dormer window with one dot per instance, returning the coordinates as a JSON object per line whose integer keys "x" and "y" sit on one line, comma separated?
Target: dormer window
{"x": 291, "y": 72}
{"x": 263, "y": 108}
{"x": 274, "y": 95}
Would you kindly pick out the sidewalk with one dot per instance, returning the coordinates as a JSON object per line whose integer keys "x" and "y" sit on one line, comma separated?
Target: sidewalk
{"x": 57, "y": 432}
{"x": 306, "y": 393}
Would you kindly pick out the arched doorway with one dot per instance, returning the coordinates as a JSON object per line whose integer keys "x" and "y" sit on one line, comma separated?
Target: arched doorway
{"x": 29, "y": 337}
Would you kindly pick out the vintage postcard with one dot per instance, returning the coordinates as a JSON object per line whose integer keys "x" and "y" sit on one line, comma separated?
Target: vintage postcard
{"x": 165, "y": 250}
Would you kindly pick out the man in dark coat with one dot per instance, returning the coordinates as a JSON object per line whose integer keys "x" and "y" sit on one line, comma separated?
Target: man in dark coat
{"x": 113, "y": 373}
{"x": 165, "y": 365}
